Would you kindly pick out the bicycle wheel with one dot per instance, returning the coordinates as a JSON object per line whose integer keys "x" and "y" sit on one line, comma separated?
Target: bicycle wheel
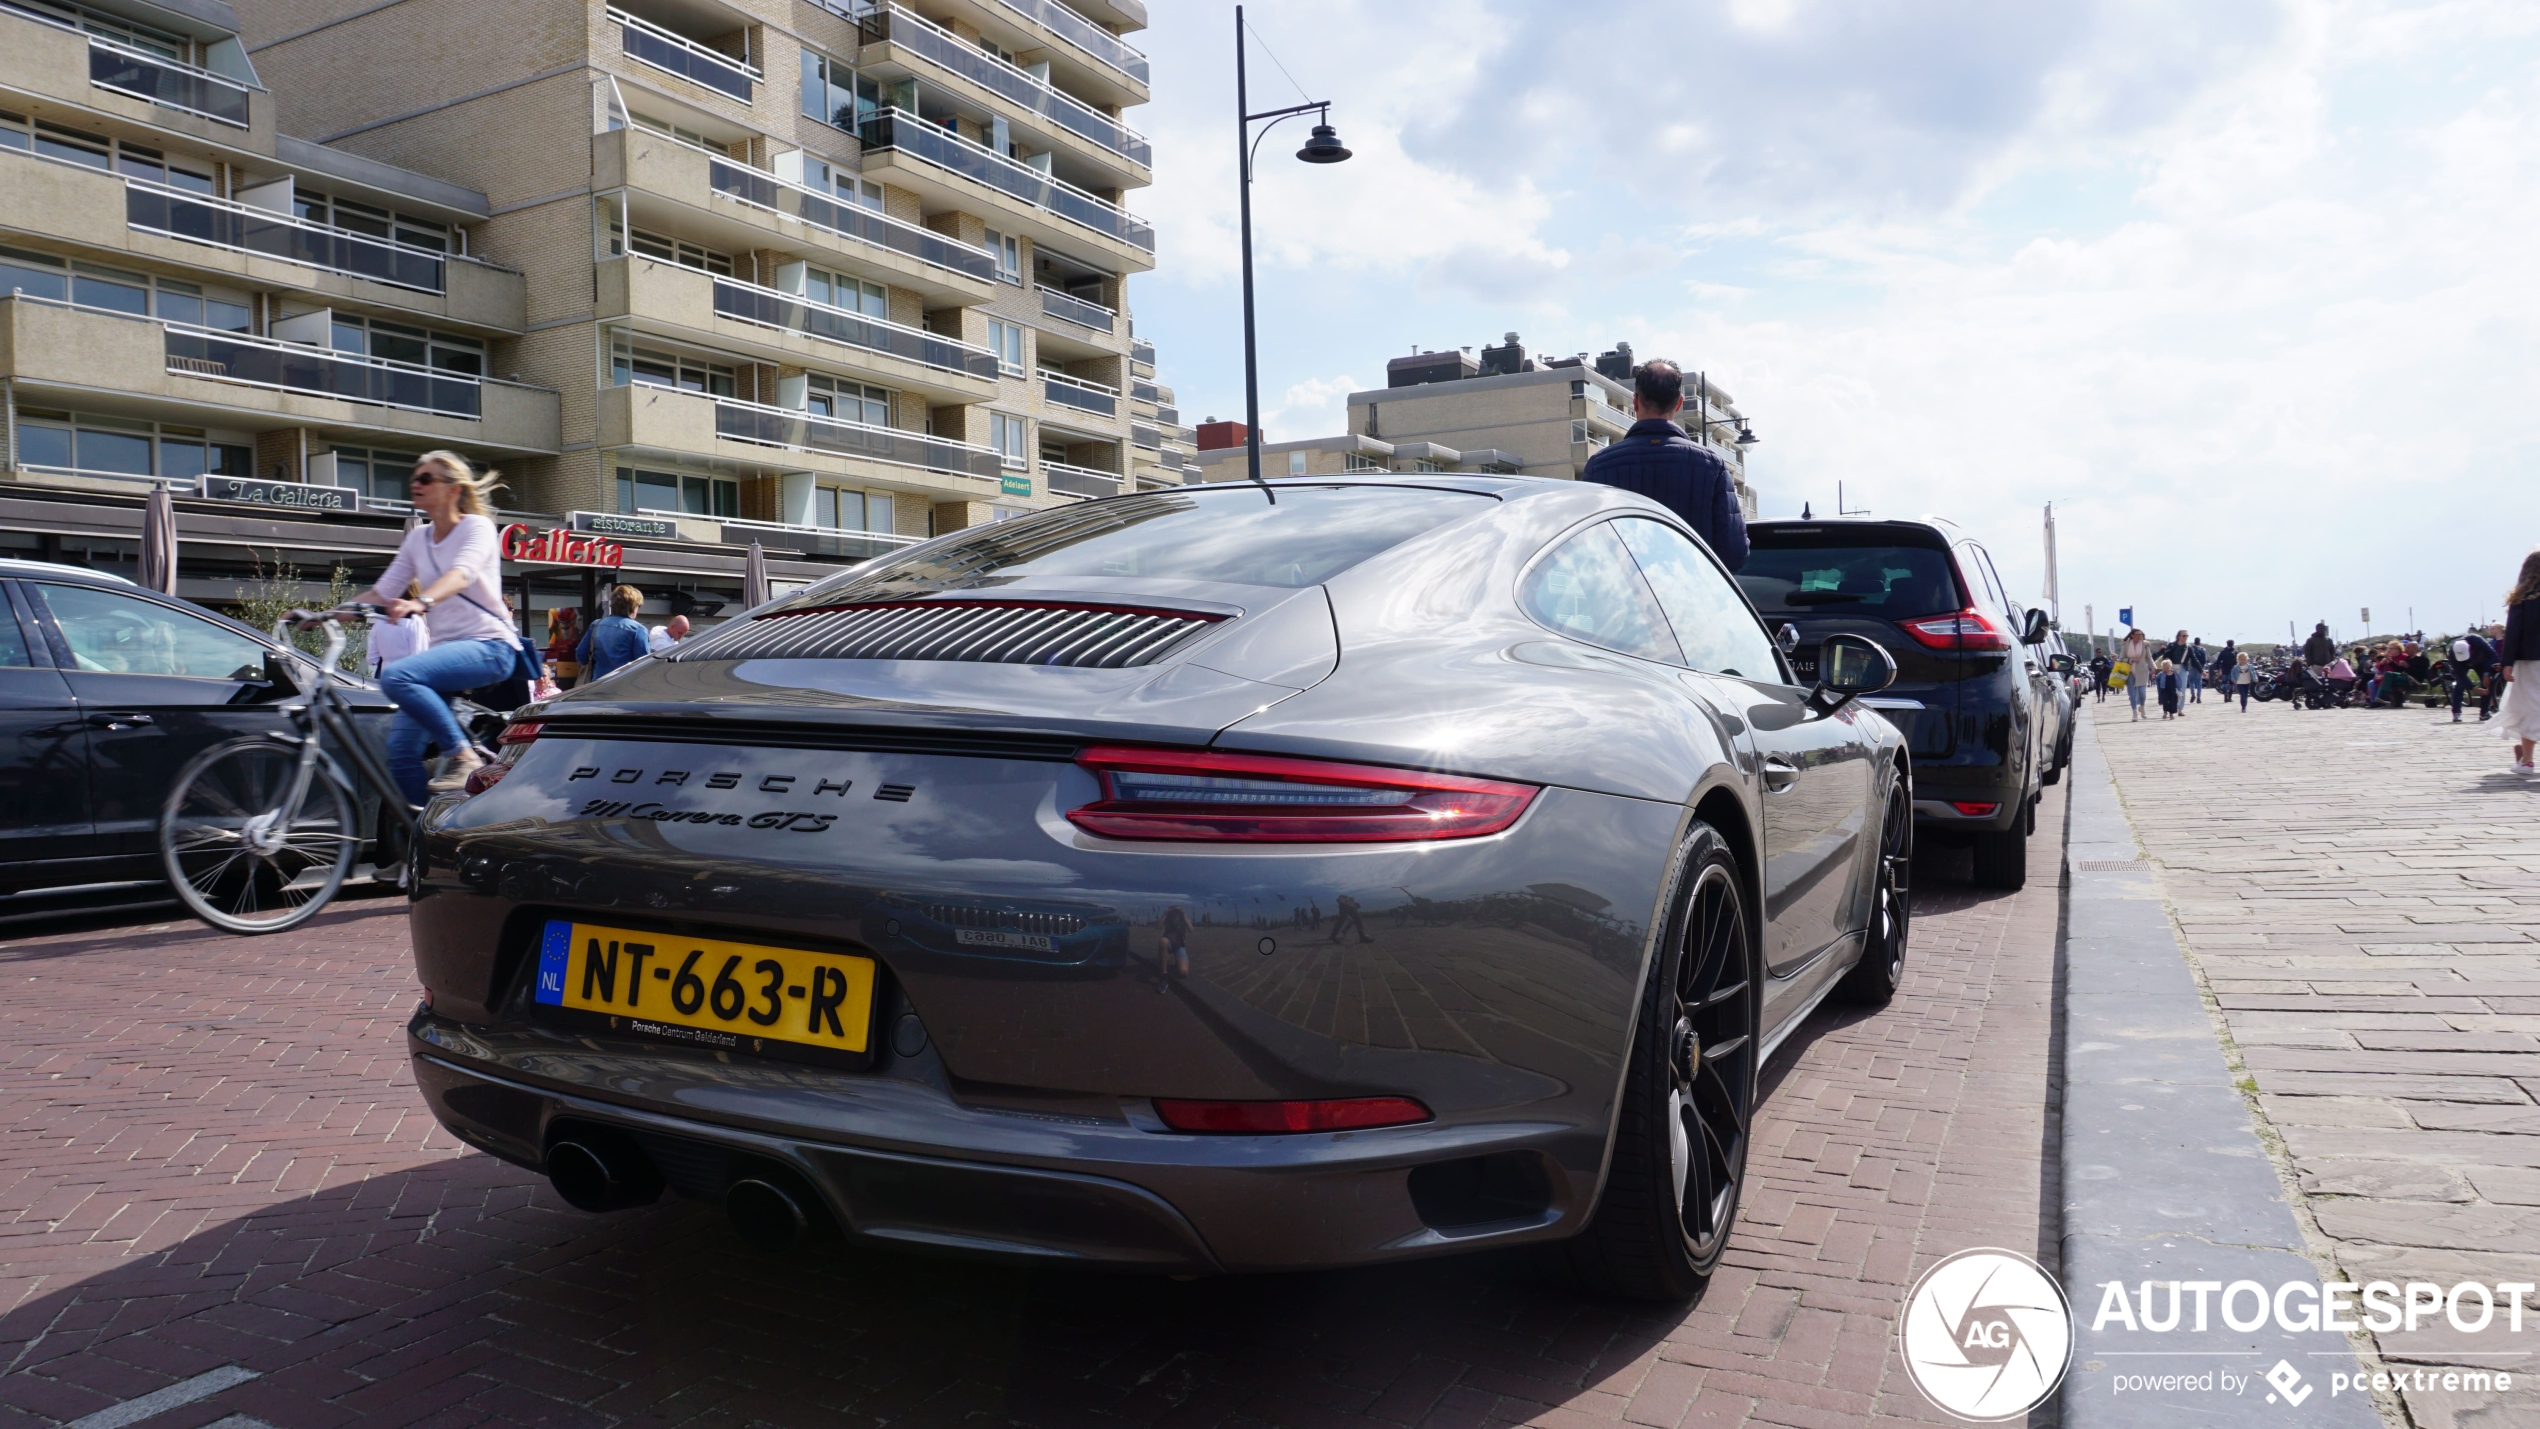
{"x": 236, "y": 856}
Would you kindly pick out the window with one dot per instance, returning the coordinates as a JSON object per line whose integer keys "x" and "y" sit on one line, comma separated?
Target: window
{"x": 38, "y": 275}
{"x": 1839, "y": 572}
{"x": 1005, "y": 433}
{"x": 97, "y": 151}
{"x": 116, "y": 290}
{"x": 679, "y": 133}
{"x": 671, "y": 491}
{"x": 835, "y": 94}
{"x": 126, "y": 635}
{"x": 827, "y": 178}
{"x": 845, "y": 401}
{"x": 396, "y": 342}
{"x": 1296, "y": 463}
{"x": 1711, "y": 621}
{"x": 377, "y": 475}
{"x": 648, "y": 367}
{"x": 153, "y": 166}
{"x": 1589, "y": 588}
{"x": 188, "y": 304}
{"x": 681, "y": 252}
{"x": 853, "y": 294}
{"x": 1005, "y": 339}
{"x": 1359, "y": 461}
{"x": 71, "y": 146}
{"x": 1007, "y": 250}
{"x": 843, "y": 510}
{"x": 370, "y": 219}
{"x": 162, "y": 43}
{"x": 84, "y": 442}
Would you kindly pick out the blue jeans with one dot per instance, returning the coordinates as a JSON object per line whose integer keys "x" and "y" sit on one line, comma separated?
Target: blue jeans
{"x": 2195, "y": 682}
{"x": 417, "y": 684}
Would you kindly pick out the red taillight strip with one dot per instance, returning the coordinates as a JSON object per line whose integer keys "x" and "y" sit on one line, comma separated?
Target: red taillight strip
{"x": 1288, "y": 1118}
{"x": 1966, "y": 629}
{"x": 1442, "y": 806}
{"x": 520, "y": 733}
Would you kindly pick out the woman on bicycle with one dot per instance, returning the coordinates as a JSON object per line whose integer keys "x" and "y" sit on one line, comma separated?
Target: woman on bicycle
{"x": 457, "y": 557}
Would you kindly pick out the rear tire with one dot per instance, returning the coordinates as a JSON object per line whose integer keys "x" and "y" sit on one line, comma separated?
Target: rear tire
{"x": 1680, "y": 1144}
{"x": 1874, "y": 979}
{"x": 2002, "y": 858}
{"x": 240, "y": 861}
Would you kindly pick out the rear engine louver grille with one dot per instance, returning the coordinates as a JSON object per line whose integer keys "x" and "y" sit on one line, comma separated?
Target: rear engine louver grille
{"x": 1103, "y": 637}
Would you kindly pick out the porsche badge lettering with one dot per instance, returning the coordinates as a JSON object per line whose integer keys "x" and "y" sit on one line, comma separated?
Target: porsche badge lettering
{"x": 794, "y": 821}
{"x": 801, "y": 823}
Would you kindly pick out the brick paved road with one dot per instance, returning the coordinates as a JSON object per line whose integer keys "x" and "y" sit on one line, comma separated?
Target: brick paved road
{"x": 215, "y": 1157}
{"x": 2364, "y": 902}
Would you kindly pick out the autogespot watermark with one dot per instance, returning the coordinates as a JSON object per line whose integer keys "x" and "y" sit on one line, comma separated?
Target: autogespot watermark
{"x": 1988, "y": 1334}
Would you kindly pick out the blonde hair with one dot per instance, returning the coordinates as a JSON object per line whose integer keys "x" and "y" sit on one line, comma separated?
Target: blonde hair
{"x": 476, "y": 488}
{"x": 2526, "y": 585}
{"x": 625, "y": 600}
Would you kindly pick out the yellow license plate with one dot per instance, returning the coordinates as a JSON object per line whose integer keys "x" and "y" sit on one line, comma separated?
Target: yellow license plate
{"x": 732, "y": 993}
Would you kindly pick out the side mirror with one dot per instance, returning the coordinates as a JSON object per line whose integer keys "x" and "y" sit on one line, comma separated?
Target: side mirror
{"x": 275, "y": 683}
{"x": 1787, "y": 638}
{"x": 1848, "y": 667}
{"x": 2036, "y": 630}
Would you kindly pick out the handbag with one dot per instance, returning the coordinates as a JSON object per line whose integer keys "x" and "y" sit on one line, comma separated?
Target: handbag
{"x": 2118, "y": 672}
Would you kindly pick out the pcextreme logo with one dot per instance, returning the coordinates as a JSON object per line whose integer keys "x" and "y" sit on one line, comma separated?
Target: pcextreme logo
{"x": 1986, "y": 1335}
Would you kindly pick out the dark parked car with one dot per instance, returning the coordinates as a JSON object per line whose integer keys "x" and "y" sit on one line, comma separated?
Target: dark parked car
{"x": 106, "y": 690}
{"x": 1228, "y": 878}
{"x": 1974, "y": 693}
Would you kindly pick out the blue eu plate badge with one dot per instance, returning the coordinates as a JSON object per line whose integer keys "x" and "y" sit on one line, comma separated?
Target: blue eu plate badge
{"x": 554, "y": 950}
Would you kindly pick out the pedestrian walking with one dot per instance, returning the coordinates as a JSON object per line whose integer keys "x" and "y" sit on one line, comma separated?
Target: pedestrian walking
{"x": 2099, "y": 667}
{"x": 616, "y": 639}
{"x": 2519, "y": 654}
{"x": 2244, "y": 677}
{"x": 454, "y": 559}
{"x": 1347, "y": 916}
{"x": 1657, "y": 459}
{"x": 2194, "y": 665}
{"x": 1172, "y": 946}
{"x": 2319, "y": 649}
{"x": 2134, "y": 662}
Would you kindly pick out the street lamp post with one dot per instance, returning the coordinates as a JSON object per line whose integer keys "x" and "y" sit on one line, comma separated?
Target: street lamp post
{"x": 1323, "y": 148}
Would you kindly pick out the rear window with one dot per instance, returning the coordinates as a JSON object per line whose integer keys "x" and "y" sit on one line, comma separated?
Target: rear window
{"x": 1235, "y": 533}
{"x": 1890, "y": 582}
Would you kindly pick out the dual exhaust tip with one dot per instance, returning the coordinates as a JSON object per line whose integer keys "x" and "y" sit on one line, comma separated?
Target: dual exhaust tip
{"x": 601, "y": 1171}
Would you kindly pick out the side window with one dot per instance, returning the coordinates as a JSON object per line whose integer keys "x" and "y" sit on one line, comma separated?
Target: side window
{"x": 125, "y": 635}
{"x": 1711, "y": 620}
{"x": 13, "y": 651}
{"x": 1589, "y": 588}
{"x": 1991, "y": 581}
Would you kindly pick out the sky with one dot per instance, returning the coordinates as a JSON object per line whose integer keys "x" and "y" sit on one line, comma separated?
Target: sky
{"x": 2249, "y": 289}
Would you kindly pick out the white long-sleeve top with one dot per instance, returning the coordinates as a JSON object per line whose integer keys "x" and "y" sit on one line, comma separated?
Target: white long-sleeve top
{"x": 393, "y": 640}
{"x": 472, "y": 546}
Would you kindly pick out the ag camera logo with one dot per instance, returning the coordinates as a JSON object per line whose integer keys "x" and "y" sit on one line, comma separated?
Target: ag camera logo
{"x": 1987, "y": 1335}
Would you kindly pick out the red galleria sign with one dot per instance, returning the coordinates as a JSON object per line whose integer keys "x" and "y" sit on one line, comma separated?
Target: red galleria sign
{"x": 561, "y": 547}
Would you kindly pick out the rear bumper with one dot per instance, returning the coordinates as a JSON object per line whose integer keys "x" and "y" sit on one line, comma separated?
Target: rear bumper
{"x": 1032, "y": 1188}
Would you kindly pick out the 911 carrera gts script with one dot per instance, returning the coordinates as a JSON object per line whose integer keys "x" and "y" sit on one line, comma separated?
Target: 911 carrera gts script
{"x": 792, "y": 822}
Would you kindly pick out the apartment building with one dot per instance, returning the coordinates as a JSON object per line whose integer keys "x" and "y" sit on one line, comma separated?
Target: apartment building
{"x": 855, "y": 267}
{"x": 189, "y": 296}
{"x": 1160, "y": 444}
{"x": 1500, "y": 411}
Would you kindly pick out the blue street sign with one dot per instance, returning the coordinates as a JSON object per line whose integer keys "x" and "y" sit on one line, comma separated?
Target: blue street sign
{"x": 2125, "y": 615}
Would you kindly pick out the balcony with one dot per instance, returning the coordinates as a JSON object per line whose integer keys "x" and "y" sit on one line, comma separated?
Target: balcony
{"x": 1084, "y": 36}
{"x": 1142, "y": 435}
{"x": 924, "y": 39}
{"x": 1080, "y": 394}
{"x": 896, "y": 131}
{"x": 1069, "y": 308}
{"x": 154, "y": 208}
{"x": 853, "y": 222}
{"x": 1143, "y": 352}
{"x": 165, "y": 82}
{"x": 749, "y": 303}
{"x": 809, "y": 540}
{"x": 650, "y": 44}
{"x": 1079, "y": 481}
{"x": 202, "y": 376}
{"x": 739, "y": 421}
{"x": 1142, "y": 390}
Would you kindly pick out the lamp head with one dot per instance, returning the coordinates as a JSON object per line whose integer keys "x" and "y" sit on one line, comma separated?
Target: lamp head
{"x": 1323, "y": 147}
{"x": 1746, "y": 435}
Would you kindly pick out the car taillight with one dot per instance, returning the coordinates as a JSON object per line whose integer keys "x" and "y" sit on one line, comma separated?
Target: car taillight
{"x": 1962, "y": 630}
{"x": 1274, "y": 1118}
{"x": 521, "y": 733}
{"x": 510, "y": 745}
{"x": 1212, "y": 795}
{"x": 486, "y": 776}
{"x": 1974, "y": 810}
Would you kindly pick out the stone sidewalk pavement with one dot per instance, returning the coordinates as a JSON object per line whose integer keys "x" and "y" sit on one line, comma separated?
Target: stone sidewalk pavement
{"x": 218, "y": 1185}
{"x": 2360, "y": 890}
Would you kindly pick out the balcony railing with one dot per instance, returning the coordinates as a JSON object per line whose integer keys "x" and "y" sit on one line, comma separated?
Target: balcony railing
{"x": 1169, "y": 416}
{"x": 1141, "y": 350}
{"x": 161, "y": 80}
{"x": 1080, "y": 394}
{"x": 903, "y": 132}
{"x": 155, "y": 208}
{"x": 768, "y": 307}
{"x": 1070, "y": 308}
{"x": 760, "y": 189}
{"x": 288, "y": 367}
{"x": 1142, "y": 435}
{"x": 684, "y": 57}
{"x": 933, "y": 42}
{"x": 1099, "y": 44}
{"x": 801, "y": 431}
{"x": 1079, "y": 480}
{"x": 811, "y": 540}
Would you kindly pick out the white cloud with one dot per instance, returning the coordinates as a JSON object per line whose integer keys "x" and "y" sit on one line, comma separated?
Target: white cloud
{"x": 1315, "y": 407}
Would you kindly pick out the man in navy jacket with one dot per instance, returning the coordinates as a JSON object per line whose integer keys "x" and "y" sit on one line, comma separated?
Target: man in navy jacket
{"x": 1657, "y": 459}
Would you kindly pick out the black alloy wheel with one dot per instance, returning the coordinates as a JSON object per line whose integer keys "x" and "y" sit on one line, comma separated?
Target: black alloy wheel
{"x": 1874, "y": 979}
{"x": 1679, "y": 1164}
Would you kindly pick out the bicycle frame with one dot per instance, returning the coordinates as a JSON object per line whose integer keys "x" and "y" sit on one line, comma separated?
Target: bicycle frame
{"x": 324, "y": 711}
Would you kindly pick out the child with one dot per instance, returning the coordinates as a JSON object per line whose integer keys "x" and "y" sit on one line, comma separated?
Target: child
{"x": 2169, "y": 683}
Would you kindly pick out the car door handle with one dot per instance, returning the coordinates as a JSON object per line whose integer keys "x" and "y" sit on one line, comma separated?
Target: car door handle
{"x": 120, "y": 719}
{"x": 1779, "y": 774}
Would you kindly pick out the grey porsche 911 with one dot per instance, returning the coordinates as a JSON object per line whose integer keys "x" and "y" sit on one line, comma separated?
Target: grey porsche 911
{"x": 1257, "y": 876}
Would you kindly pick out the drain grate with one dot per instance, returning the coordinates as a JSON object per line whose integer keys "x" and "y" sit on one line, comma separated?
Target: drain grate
{"x": 2105, "y": 865}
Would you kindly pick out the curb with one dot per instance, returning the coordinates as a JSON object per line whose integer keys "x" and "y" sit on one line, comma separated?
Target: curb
{"x": 2164, "y": 1177}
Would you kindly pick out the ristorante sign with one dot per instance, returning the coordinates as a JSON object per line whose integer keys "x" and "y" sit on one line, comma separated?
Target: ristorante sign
{"x": 561, "y": 547}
